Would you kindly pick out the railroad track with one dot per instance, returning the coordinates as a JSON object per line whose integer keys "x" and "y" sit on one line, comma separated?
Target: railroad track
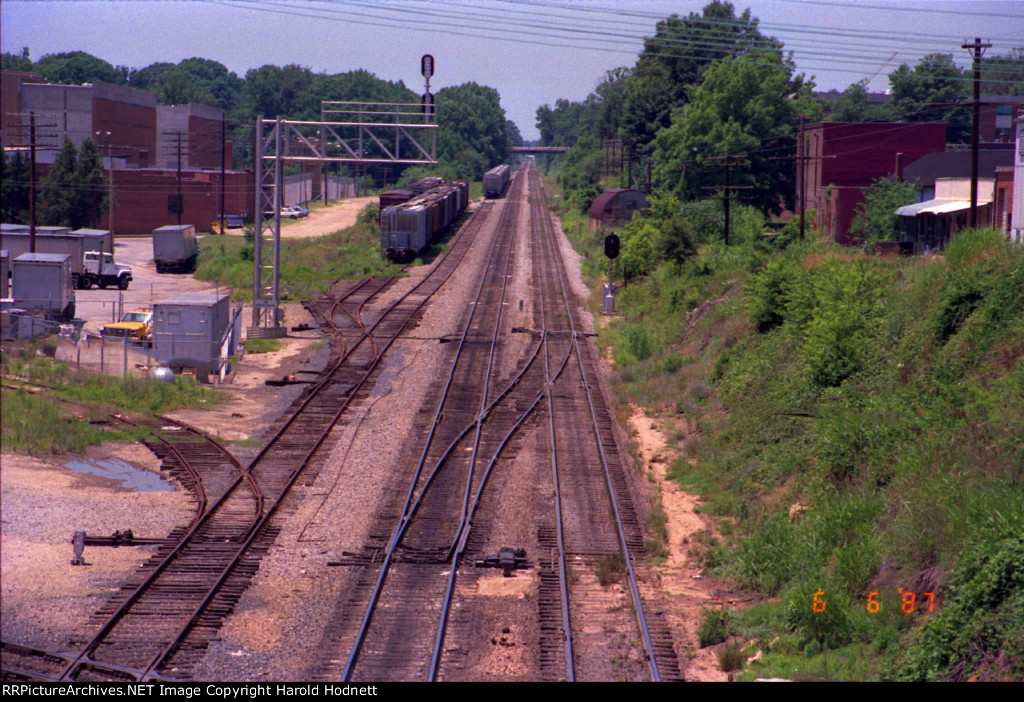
{"x": 424, "y": 543}
{"x": 595, "y": 522}
{"x": 161, "y": 627}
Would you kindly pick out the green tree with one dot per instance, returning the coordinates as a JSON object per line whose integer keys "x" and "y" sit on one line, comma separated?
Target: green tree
{"x": 73, "y": 190}
{"x": 745, "y": 105}
{"x": 196, "y": 80}
{"x": 875, "y": 218}
{"x": 852, "y": 106}
{"x": 514, "y": 136}
{"x": 77, "y": 67}
{"x": 13, "y": 62}
{"x": 472, "y": 132}
{"x": 15, "y": 180}
{"x": 274, "y": 91}
{"x": 919, "y": 92}
{"x": 1003, "y": 75}
{"x": 676, "y": 58}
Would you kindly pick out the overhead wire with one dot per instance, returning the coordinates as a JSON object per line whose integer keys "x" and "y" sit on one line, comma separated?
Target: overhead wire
{"x": 570, "y": 32}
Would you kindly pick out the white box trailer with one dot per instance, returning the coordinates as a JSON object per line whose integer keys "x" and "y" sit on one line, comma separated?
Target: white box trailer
{"x": 41, "y": 283}
{"x": 175, "y": 249}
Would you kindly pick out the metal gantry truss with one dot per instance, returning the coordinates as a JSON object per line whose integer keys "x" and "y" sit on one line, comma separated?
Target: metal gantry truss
{"x": 357, "y": 132}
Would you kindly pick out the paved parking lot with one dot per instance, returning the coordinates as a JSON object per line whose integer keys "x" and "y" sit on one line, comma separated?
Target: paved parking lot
{"x": 98, "y": 307}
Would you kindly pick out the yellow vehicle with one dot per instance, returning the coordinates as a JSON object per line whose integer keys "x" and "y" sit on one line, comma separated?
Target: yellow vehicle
{"x": 136, "y": 325}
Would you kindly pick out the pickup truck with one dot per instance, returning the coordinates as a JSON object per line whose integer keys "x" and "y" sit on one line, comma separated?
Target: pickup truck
{"x": 137, "y": 325}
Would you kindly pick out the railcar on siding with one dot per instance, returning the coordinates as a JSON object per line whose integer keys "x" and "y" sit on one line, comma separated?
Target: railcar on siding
{"x": 408, "y": 227}
{"x": 496, "y": 181}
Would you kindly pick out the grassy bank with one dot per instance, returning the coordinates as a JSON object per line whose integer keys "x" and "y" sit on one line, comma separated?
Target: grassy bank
{"x": 854, "y": 427}
{"x": 48, "y": 408}
{"x": 308, "y": 266}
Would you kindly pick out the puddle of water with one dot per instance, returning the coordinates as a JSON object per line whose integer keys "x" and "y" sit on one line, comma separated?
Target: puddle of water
{"x": 127, "y": 475}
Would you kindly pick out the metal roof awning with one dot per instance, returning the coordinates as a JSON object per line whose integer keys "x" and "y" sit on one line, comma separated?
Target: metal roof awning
{"x": 938, "y": 206}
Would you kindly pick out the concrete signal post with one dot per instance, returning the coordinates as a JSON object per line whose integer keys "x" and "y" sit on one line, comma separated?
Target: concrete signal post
{"x": 611, "y": 250}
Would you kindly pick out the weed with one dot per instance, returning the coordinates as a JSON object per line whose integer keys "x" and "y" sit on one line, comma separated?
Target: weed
{"x": 714, "y": 627}
{"x": 260, "y": 345}
{"x": 610, "y": 569}
{"x": 730, "y": 657}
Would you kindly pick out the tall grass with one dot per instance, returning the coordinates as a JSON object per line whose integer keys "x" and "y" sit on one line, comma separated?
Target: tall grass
{"x": 48, "y": 408}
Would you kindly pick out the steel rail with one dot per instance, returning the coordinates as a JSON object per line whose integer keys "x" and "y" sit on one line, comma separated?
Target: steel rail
{"x": 638, "y": 603}
{"x": 197, "y": 523}
{"x": 254, "y": 528}
{"x": 462, "y": 537}
{"x": 410, "y": 504}
{"x": 559, "y": 525}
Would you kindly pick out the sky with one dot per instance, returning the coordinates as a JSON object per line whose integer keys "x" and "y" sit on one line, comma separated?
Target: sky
{"x": 532, "y": 52}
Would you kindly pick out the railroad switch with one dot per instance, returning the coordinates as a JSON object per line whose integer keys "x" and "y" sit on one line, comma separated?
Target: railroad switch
{"x": 119, "y": 538}
{"x": 508, "y": 559}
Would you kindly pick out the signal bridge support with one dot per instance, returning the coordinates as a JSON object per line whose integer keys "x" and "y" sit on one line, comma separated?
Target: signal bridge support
{"x": 357, "y": 132}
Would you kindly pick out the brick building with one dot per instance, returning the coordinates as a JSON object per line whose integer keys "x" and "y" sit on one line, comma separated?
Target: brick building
{"x": 998, "y": 117}
{"x": 120, "y": 121}
{"x": 201, "y": 130}
{"x": 138, "y": 141}
{"x": 844, "y": 158}
{"x": 143, "y": 198}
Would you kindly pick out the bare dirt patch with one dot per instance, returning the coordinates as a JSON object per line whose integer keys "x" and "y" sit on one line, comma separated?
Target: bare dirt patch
{"x": 327, "y": 220}
{"x": 680, "y": 578}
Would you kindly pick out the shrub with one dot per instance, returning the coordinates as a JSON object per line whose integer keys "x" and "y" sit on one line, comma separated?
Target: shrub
{"x": 973, "y": 245}
{"x": 766, "y": 293}
{"x": 714, "y": 627}
{"x": 819, "y": 614}
{"x": 610, "y": 569}
{"x": 981, "y": 623}
{"x": 730, "y": 657}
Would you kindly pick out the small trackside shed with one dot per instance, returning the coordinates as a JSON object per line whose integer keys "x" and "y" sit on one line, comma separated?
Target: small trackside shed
{"x": 613, "y": 208}
{"x": 41, "y": 283}
{"x": 194, "y": 330}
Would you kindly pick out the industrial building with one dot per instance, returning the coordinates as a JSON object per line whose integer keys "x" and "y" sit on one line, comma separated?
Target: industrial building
{"x": 163, "y": 163}
{"x": 842, "y": 158}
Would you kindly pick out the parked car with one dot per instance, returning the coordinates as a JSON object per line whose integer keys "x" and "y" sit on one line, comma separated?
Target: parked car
{"x": 291, "y": 212}
{"x": 230, "y": 222}
{"x": 303, "y": 212}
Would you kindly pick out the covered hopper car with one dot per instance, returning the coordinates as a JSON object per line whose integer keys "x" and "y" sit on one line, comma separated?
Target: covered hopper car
{"x": 496, "y": 181}
{"x": 409, "y": 227}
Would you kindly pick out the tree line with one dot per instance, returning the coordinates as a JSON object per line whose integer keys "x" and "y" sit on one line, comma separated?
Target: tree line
{"x": 474, "y": 133}
{"x": 731, "y": 90}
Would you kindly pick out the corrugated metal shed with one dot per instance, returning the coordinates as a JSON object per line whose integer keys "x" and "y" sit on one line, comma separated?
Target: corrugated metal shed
{"x": 613, "y": 208}
{"x": 189, "y": 330}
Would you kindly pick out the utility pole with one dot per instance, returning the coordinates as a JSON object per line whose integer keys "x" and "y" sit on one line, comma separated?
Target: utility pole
{"x": 977, "y": 49}
{"x": 728, "y": 162}
{"x": 32, "y": 182}
{"x": 110, "y": 179}
{"x": 801, "y": 159}
{"x": 223, "y": 165}
{"x": 181, "y": 205}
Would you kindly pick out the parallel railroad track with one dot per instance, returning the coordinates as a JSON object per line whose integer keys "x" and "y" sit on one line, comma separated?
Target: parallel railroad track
{"x": 422, "y": 545}
{"x": 161, "y": 627}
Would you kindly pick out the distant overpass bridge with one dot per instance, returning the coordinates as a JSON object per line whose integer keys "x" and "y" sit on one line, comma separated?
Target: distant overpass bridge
{"x": 539, "y": 150}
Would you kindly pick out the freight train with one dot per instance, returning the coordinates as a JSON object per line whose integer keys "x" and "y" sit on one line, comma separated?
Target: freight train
{"x": 496, "y": 181}
{"x": 411, "y": 217}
